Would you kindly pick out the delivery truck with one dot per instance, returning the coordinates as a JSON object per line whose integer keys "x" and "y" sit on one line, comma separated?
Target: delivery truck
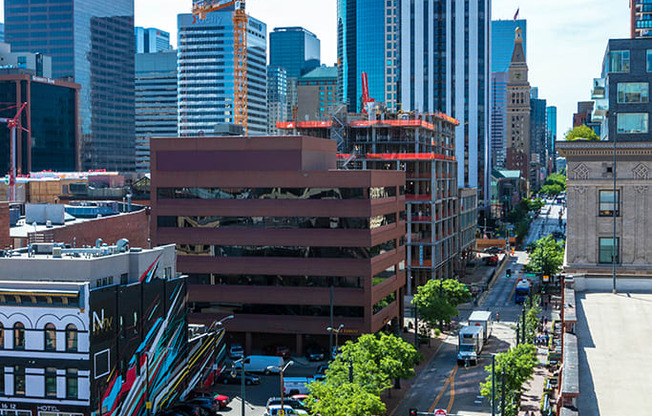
{"x": 471, "y": 341}
{"x": 483, "y": 319}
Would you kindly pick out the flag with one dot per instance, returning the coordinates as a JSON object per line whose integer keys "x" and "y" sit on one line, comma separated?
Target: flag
{"x": 516, "y": 14}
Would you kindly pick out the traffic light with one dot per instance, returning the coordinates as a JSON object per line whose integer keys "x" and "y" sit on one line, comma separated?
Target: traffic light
{"x": 413, "y": 412}
{"x": 508, "y": 272}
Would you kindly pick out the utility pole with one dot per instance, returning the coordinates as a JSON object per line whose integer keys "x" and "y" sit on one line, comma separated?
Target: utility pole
{"x": 613, "y": 240}
{"x": 523, "y": 326}
{"x": 502, "y": 396}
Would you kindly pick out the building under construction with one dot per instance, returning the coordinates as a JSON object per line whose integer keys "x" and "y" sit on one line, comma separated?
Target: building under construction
{"x": 425, "y": 149}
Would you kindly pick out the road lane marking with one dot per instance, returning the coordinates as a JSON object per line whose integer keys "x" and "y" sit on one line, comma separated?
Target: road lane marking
{"x": 452, "y": 399}
{"x": 509, "y": 299}
{"x": 443, "y": 389}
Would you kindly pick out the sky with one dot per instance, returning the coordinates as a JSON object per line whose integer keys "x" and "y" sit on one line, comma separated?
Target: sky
{"x": 566, "y": 38}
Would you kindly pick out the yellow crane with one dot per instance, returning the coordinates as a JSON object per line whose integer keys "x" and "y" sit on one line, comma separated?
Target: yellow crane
{"x": 240, "y": 19}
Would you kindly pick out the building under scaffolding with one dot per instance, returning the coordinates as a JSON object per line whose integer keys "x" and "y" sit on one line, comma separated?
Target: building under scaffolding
{"x": 425, "y": 149}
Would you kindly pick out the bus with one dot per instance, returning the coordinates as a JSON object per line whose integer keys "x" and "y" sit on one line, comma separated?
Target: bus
{"x": 522, "y": 290}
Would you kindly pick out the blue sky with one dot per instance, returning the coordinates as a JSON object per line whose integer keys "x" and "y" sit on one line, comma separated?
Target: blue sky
{"x": 566, "y": 38}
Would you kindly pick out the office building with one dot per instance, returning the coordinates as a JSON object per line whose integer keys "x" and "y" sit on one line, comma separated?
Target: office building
{"x": 295, "y": 49}
{"x": 551, "y": 135}
{"x": 51, "y": 143}
{"x": 317, "y": 94}
{"x": 502, "y": 42}
{"x": 150, "y": 40}
{"x": 591, "y": 202}
{"x": 518, "y": 112}
{"x": 205, "y": 71}
{"x": 621, "y": 95}
{"x": 96, "y": 330}
{"x": 2, "y": 32}
{"x": 24, "y": 62}
{"x": 156, "y": 101}
{"x": 538, "y": 140}
{"x": 499, "y": 118}
{"x": 264, "y": 227}
{"x": 92, "y": 43}
{"x": 425, "y": 150}
{"x": 277, "y": 98}
{"x": 640, "y": 18}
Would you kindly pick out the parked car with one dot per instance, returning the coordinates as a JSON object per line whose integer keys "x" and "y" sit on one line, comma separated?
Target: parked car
{"x": 236, "y": 351}
{"x": 315, "y": 353}
{"x": 278, "y": 350}
{"x": 276, "y": 411}
{"x": 320, "y": 373}
{"x": 236, "y": 378}
{"x": 493, "y": 250}
{"x": 221, "y": 399}
{"x": 287, "y": 401}
{"x": 191, "y": 409}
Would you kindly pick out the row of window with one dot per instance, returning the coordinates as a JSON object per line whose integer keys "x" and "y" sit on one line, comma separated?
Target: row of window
{"x": 50, "y": 380}
{"x": 277, "y": 222}
{"x": 619, "y": 61}
{"x": 49, "y": 334}
{"x": 278, "y": 193}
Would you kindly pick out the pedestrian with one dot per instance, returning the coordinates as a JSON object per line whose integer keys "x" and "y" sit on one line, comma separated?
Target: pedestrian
{"x": 497, "y": 316}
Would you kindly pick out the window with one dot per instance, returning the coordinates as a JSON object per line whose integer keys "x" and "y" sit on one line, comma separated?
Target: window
{"x": 632, "y": 123}
{"x": 607, "y": 250}
{"x": 608, "y": 202}
{"x": 2, "y": 339}
{"x": 19, "y": 380}
{"x": 71, "y": 338}
{"x": 632, "y": 92}
{"x": 649, "y": 60}
{"x": 50, "y": 337}
{"x": 619, "y": 61}
{"x": 19, "y": 336}
{"x": 50, "y": 382}
{"x": 71, "y": 383}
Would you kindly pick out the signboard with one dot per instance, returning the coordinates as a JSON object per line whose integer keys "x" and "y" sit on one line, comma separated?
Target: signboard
{"x": 440, "y": 412}
{"x": 546, "y": 278}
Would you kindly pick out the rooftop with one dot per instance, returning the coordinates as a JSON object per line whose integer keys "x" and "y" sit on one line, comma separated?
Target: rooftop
{"x": 320, "y": 73}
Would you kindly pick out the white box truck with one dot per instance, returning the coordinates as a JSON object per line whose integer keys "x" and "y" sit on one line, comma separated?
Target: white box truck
{"x": 296, "y": 385}
{"x": 471, "y": 341}
{"x": 267, "y": 364}
{"x": 483, "y": 319}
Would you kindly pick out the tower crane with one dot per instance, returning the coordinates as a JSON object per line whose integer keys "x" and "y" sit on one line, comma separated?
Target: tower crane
{"x": 240, "y": 19}
{"x": 13, "y": 124}
{"x": 366, "y": 100}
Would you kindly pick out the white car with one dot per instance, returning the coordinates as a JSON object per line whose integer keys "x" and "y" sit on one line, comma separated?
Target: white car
{"x": 275, "y": 410}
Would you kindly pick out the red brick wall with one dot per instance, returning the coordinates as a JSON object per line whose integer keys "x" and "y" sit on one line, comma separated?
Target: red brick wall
{"x": 5, "y": 241}
{"x": 134, "y": 227}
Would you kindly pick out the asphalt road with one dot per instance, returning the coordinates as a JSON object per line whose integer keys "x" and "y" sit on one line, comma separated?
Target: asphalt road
{"x": 444, "y": 384}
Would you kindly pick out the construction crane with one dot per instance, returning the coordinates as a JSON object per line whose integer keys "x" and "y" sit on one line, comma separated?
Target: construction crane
{"x": 12, "y": 124}
{"x": 240, "y": 19}
{"x": 366, "y": 100}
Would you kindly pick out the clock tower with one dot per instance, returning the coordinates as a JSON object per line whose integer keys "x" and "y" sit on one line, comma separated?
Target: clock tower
{"x": 518, "y": 112}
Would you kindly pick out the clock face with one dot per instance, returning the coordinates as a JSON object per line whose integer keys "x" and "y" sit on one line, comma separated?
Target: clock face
{"x": 517, "y": 75}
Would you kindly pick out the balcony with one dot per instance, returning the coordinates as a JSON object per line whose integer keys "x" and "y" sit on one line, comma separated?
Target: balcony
{"x": 599, "y": 88}
{"x": 600, "y": 110}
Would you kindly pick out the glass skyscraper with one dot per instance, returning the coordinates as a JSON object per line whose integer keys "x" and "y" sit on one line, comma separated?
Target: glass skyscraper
{"x": 551, "y": 129}
{"x": 295, "y": 49}
{"x": 502, "y": 42}
{"x": 92, "y": 43}
{"x": 149, "y": 40}
{"x": 205, "y": 73}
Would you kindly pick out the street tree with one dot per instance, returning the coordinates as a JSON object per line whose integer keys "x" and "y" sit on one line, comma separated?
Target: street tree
{"x": 547, "y": 257}
{"x": 581, "y": 132}
{"x": 533, "y": 310}
{"x": 556, "y": 179}
{"x": 346, "y": 399}
{"x": 553, "y": 189}
{"x": 437, "y": 300}
{"x": 518, "y": 365}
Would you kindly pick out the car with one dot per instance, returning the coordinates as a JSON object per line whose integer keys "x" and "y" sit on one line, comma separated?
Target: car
{"x": 278, "y": 350}
{"x": 190, "y": 409}
{"x": 315, "y": 353}
{"x": 287, "y": 402}
{"x": 221, "y": 399}
{"x": 171, "y": 413}
{"x": 493, "y": 250}
{"x": 288, "y": 410}
{"x": 235, "y": 378}
{"x": 208, "y": 404}
{"x": 236, "y": 351}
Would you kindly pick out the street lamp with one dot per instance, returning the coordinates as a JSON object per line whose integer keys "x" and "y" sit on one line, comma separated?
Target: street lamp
{"x": 281, "y": 371}
{"x": 493, "y": 379}
{"x": 242, "y": 382}
{"x": 330, "y": 329}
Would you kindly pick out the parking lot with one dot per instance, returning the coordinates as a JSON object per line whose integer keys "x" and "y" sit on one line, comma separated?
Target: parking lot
{"x": 614, "y": 339}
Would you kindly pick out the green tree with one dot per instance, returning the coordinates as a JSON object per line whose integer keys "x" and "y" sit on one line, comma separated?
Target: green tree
{"x": 556, "y": 178}
{"x": 518, "y": 364}
{"x": 581, "y": 132}
{"x": 437, "y": 300}
{"x": 328, "y": 399}
{"x": 532, "y": 318}
{"x": 554, "y": 189}
{"x": 547, "y": 257}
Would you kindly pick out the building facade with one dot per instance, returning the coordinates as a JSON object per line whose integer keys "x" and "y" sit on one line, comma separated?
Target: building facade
{"x": 518, "y": 112}
{"x": 551, "y": 130}
{"x": 264, "y": 227}
{"x": 52, "y": 117}
{"x": 150, "y": 40}
{"x": 502, "y": 42}
{"x": 499, "y": 118}
{"x": 591, "y": 204}
{"x": 295, "y": 49}
{"x": 156, "y": 101}
{"x": 205, "y": 73}
{"x": 277, "y": 98}
{"x": 92, "y": 43}
{"x": 621, "y": 95}
{"x": 640, "y": 19}
{"x": 538, "y": 142}
{"x": 94, "y": 330}
{"x": 317, "y": 94}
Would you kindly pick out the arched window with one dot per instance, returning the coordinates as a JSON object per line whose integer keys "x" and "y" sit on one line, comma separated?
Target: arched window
{"x": 71, "y": 338}
{"x": 19, "y": 336}
{"x": 2, "y": 337}
{"x": 50, "y": 337}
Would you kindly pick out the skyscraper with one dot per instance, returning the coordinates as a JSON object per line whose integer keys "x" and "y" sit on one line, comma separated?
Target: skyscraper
{"x": 551, "y": 129}
{"x": 92, "y": 43}
{"x": 277, "y": 98}
{"x": 518, "y": 111}
{"x": 149, "y": 40}
{"x": 425, "y": 56}
{"x": 538, "y": 139}
{"x": 641, "y": 18}
{"x": 205, "y": 71}
{"x": 498, "y": 118}
{"x": 295, "y": 49}
{"x": 502, "y": 42}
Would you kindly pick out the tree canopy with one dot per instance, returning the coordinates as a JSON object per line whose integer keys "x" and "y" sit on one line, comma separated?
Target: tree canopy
{"x": 437, "y": 300}
{"x": 554, "y": 185}
{"x": 328, "y": 399}
{"x": 581, "y": 132}
{"x": 547, "y": 256}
